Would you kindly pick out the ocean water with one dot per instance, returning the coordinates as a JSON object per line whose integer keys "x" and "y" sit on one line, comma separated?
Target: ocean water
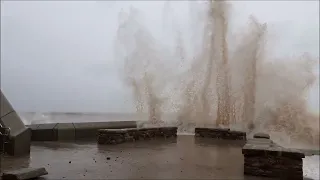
{"x": 57, "y": 117}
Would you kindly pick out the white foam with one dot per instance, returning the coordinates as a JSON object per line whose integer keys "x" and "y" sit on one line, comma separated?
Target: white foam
{"x": 311, "y": 167}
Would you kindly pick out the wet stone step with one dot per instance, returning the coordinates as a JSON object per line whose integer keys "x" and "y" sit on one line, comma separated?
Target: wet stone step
{"x": 263, "y": 157}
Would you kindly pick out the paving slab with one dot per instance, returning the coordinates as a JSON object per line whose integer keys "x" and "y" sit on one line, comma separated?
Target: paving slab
{"x": 158, "y": 159}
{"x": 24, "y": 174}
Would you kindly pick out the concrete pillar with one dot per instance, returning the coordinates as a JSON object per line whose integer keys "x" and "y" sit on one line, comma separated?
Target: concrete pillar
{"x": 20, "y": 136}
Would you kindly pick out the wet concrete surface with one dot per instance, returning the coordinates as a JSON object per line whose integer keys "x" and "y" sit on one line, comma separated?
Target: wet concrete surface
{"x": 184, "y": 158}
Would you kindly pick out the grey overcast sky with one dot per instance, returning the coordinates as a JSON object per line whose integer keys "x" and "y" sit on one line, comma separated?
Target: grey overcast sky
{"x": 58, "y": 56}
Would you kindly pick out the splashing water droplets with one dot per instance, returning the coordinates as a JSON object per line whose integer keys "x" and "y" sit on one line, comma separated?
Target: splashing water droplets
{"x": 232, "y": 80}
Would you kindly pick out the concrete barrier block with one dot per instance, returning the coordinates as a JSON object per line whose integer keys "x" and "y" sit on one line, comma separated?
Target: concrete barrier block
{"x": 88, "y": 130}
{"x": 74, "y": 131}
{"x": 5, "y": 106}
{"x": 118, "y": 136}
{"x": 19, "y": 137}
{"x": 19, "y": 144}
{"x": 262, "y": 157}
{"x": 19, "y": 140}
{"x": 45, "y": 132}
{"x": 13, "y": 121}
{"x": 220, "y": 133}
{"x": 66, "y": 131}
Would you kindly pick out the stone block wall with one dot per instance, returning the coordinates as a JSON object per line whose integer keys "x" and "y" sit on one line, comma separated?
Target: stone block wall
{"x": 74, "y": 131}
{"x": 118, "y": 136}
{"x": 220, "y": 133}
{"x": 263, "y": 157}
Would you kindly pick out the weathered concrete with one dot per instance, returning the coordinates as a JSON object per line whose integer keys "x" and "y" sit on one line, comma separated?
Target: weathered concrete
{"x": 155, "y": 159}
{"x": 74, "y": 131}
{"x": 45, "y": 132}
{"x": 263, "y": 157}
{"x": 220, "y": 133}
{"x": 118, "y": 136}
{"x": 86, "y": 131}
{"x": 33, "y": 126}
{"x": 65, "y": 131}
{"x": 5, "y": 106}
{"x": 13, "y": 121}
{"x": 24, "y": 174}
{"x": 19, "y": 144}
{"x": 20, "y": 136}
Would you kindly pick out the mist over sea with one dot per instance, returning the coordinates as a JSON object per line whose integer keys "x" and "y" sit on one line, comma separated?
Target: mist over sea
{"x": 68, "y": 117}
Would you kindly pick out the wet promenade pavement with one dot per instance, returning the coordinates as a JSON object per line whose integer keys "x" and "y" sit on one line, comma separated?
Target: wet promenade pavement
{"x": 184, "y": 158}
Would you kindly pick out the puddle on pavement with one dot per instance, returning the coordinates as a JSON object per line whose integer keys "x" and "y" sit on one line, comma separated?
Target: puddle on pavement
{"x": 183, "y": 158}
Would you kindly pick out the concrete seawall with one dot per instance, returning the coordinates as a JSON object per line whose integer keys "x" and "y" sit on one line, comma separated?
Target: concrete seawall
{"x": 118, "y": 136}
{"x": 263, "y": 157}
{"x": 74, "y": 131}
{"x": 17, "y": 141}
{"x": 220, "y": 133}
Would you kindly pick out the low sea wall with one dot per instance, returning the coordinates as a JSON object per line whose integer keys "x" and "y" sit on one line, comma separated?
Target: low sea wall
{"x": 118, "y": 136}
{"x": 220, "y": 133}
{"x": 263, "y": 157}
{"x": 74, "y": 131}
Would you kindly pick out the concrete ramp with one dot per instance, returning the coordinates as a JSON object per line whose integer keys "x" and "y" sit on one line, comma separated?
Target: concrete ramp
{"x": 20, "y": 135}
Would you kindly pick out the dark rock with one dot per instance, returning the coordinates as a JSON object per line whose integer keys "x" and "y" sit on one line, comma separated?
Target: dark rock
{"x": 261, "y": 136}
{"x": 113, "y": 131}
{"x": 107, "y": 136}
{"x": 220, "y": 133}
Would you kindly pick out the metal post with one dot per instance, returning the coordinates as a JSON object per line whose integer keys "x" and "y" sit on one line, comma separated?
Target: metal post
{"x": 4, "y": 137}
{"x": 1, "y": 150}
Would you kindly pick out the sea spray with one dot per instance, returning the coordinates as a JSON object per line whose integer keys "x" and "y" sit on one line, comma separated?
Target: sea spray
{"x": 142, "y": 66}
{"x": 225, "y": 83}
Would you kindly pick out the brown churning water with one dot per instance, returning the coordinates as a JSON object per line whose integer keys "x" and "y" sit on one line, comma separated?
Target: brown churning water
{"x": 231, "y": 81}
